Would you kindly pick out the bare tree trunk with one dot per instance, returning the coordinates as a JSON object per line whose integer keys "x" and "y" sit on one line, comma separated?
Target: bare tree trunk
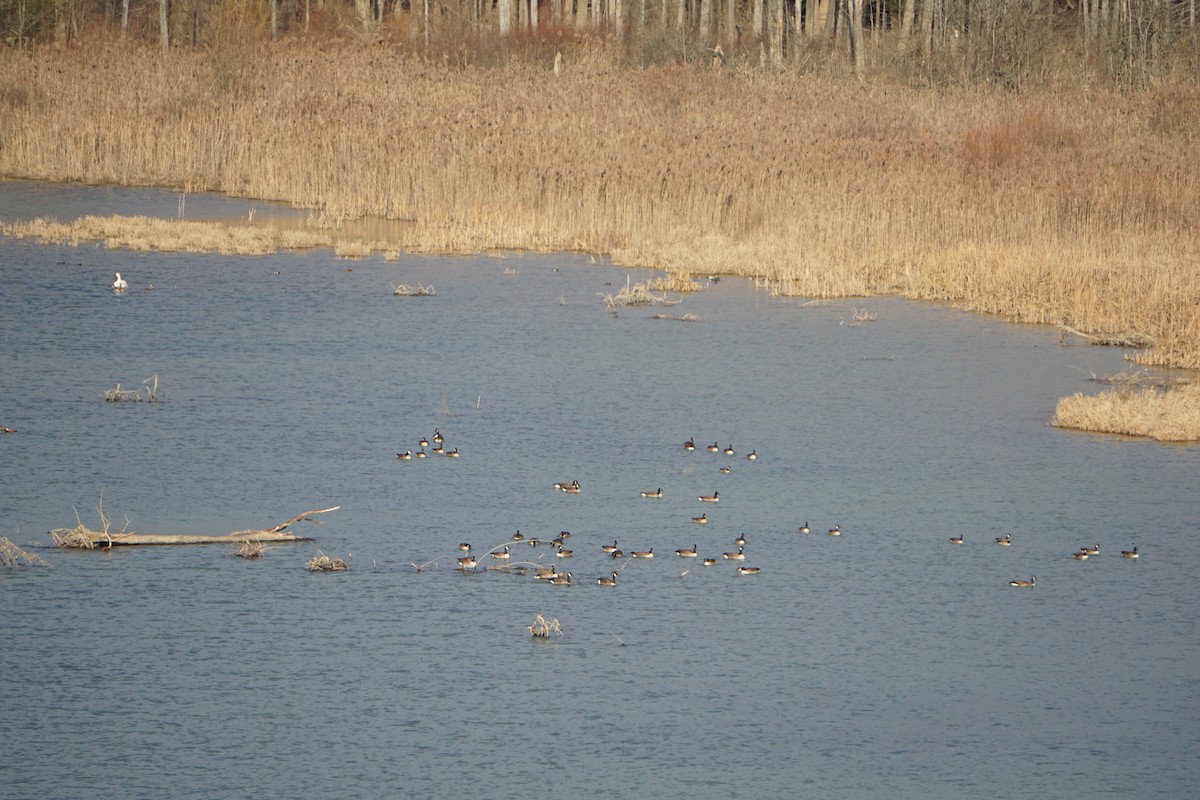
{"x": 927, "y": 27}
{"x": 164, "y": 32}
{"x": 854, "y": 26}
{"x": 730, "y": 23}
{"x": 705, "y": 21}
{"x": 274, "y": 20}
{"x": 756, "y": 24}
{"x": 124, "y": 18}
{"x": 776, "y": 31}
{"x": 908, "y": 16}
{"x": 504, "y": 9}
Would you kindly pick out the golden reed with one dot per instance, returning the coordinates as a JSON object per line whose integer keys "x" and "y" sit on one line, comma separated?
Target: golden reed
{"x": 1067, "y": 205}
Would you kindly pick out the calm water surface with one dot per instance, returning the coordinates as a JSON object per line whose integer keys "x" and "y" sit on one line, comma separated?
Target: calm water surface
{"x": 882, "y": 663}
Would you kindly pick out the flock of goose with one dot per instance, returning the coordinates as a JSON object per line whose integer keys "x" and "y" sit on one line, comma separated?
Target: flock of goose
{"x": 502, "y": 555}
{"x": 437, "y": 448}
{"x": 1083, "y": 554}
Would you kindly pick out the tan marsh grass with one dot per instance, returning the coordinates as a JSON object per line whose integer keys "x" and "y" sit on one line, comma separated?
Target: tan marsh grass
{"x": 1071, "y": 205}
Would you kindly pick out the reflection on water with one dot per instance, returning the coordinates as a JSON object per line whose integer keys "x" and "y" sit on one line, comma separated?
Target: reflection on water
{"x": 883, "y": 662}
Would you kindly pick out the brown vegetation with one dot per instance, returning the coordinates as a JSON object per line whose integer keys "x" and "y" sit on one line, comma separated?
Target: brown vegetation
{"x": 1169, "y": 416}
{"x": 1070, "y": 202}
{"x": 13, "y": 556}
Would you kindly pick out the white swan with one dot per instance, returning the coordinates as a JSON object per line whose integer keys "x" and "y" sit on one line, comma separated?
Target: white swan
{"x": 119, "y": 284}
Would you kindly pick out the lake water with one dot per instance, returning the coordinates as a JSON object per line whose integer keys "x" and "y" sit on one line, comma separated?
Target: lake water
{"x": 882, "y": 663}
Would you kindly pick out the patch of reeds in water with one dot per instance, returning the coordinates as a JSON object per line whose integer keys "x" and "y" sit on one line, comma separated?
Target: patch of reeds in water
{"x": 323, "y": 563}
{"x": 543, "y": 628}
{"x": 13, "y": 556}
{"x": 1168, "y": 415}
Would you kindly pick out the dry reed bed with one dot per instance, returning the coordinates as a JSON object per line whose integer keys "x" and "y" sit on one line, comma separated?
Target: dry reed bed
{"x": 1071, "y": 206}
{"x": 1169, "y": 416}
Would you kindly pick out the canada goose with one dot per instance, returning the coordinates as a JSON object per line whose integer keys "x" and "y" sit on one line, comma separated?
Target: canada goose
{"x": 685, "y": 553}
{"x": 1005, "y": 540}
{"x": 503, "y": 555}
{"x": 561, "y": 580}
{"x": 740, "y": 555}
{"x": 1094, "y": 550}
{"x": 689, "y": 445}
{"x": 749, "y": 570}
{"x": 803, "y": 528}
{"x": 467, "y": 562}
{"x": 437, "y": 450}
{"x": 1130, "y": 553}
{"x": 572, "y": 488}
{"x": 710, "y": 498}
{"x": 7, "y": 430}
{"x": 710, "y": 562}
{"x": 557, "y": 541}
{"x": 740, "y": 540}
{"x": 752, "y": 456}
{"x": 608, "y": 581}
{"x": 453, "y": 453}
{"x": 564, "y": 553}
{"x": 564, "y": 534}
{"x": 1080, "y": 556}
{"x": 119, "y": 285}
{"x": 609, "y": 548}
{"x": 1024, "y": 584}
{"x": 642, "y": 553}
{"x": 421, "y": 454}
{"x": 725, "y": 470}
{"x": 545, "y": 573}
{"x": 534, "y": 542}
{"x": 437, "y": 436}
{"x": 714, "y": 448}
{"x": 424, "y": 442}
{"x": 729, "y": 450}
{"x": 700, "y": 520}
{"x": 657, "y": 493}
{"x": 405, "y": 456}
{"x": 956, "y": 539}
{"x": 465, "y": 547}
{"x": 518, "y": 536}
{"x": 617, "y": 554}
{"x": 836, "y": 530}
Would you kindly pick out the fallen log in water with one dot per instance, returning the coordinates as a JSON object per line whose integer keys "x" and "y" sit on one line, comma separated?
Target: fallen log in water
{"x": 83, "y": 538}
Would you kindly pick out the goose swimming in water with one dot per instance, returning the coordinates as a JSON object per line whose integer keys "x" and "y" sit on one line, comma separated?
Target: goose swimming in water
{"x": 405, "y": 456}
{"x": 714, "y": 448}
{"x": 1130, "y": 553}
{"x": 1005, "y": 540}
{"x": 685, "y": 553}
{"x": 956, "y": 539}
{"x": 643, "y": 553}
{"x": 836, "y": 530}
{"x": 1094, "y": 550}
{"x": 689, "y": 445}
{"x": 752, "y": 455}
{"x": 740, "y": 555}
{"x": 749, "y": 570}
{"x": 561, "y": 580}
{"x": 609, "y": 548}
{"x": 700, "y": 520}
{"x": 715, "y": 497}
{"x": 119, "y": 285}
{"x": 1024, "y": 584}
{"x": 803, "y": 528}
{"x": 657, "y": 493}
{"x": 607, "y": 581}
{"x": 467, "y": 562}
{"x": 710, "y": 562}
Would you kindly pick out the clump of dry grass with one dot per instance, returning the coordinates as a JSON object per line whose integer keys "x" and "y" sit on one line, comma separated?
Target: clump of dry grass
{"x": 119, "y": 395}
{"x": 420, "y": 290}
{"x": 169, "y": 235}
{"x": 1171, "y": 415}
{"x": 13, "y": 556}
{"x": 635, "y": 294}
{"x": 323, "y": 563}
{"x": 251, "y": 549}
{"x": 543, "y": 628}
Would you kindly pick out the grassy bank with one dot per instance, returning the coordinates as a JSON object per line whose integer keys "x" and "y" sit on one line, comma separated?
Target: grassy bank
{"x": 1067, "y": 205}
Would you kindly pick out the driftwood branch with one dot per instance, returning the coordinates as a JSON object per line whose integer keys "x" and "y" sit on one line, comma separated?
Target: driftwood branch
{"x": 1132, "y": 339}
{"x": 83, "y": 538}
